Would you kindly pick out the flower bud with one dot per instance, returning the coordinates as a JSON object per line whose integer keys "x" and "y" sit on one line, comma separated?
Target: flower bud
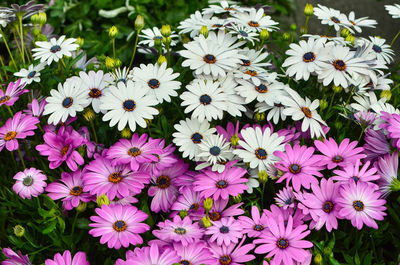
{"x": 318, "y": 259}
{"x": 166, "y": 30}
{"x": 238, "y": 198}
{"x": 36, "y": 31}
{"x": 259, "y": 116}
{"x": 350, "y": 38}
{"x": 35, "y": 19}
{"x": 117, "y": 63}
{"x": 89, "y": 115}
{"x": 263, "y": 176}
{"x": 337, "y": 89}
{"x": 303, "y": 30}
{"x": 264, "y": 34}
{"x": 157, "y": 42}
{"x": 235, "y": 140}
{"x": 102, "y": 200}
{"x": 42, "y": 18}
{"x": 395, "y": 184}
{"x": 41, "y": 37}
{"x": 206, "y": 221}
{"x": 167, "y": 40}
{"x": 204, "y": 31}
{"x": 386, "y": 94}
{"x": 110, "y": 63}
{"x": 80, "y": 41}
{"x": 19, "y": 230}
{"x": 139, "y": 22}
{"x": 183, "y": 213}
{"x": 81, "y": 207}
{"x": 113, "y": 32}
{"x": 323, "y": 104}
{"x": 286, "y": 36}
{"x": 345, "y": 32}
{"x": 126, "y": 133}
{"x": 208, "y": 204}
{"x": 161, "y": 60}
{"x": 327, "y": 251}
{"x": 293, "y": 27}
{"x": 308, "y": 10}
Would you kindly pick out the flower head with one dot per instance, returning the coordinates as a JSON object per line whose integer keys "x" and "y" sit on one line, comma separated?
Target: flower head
{"x": 66, "y": 259}
{"x": 54, "y": 50}
{"x": 29, "y": 183}
{"x": 15, "y": 258}
{"x": 226, "y": 231}
{"x": 14, "y": 90}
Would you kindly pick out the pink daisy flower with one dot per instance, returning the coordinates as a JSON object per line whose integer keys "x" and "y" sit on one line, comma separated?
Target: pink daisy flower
{"x": 165, "y": 159}
{"x": 14, "y": 90}
{"x": 285, "y": 198}
{"x": 101, "y": 177}
{"x": 60, "y": 147}
{"x": 376, "y": 144}
{"x": 232, "y": 254}
{"x": 70, "y": 189}
{"x": 118, "y": 225}
{"x": 392, "y": 126}
{"x": 165, "y": 190}
{"x": 221, "y": 185}
{"x": 35, "y": 108}
{"x": 189, "y": 201}
{"x": 286, "y": 214}
{"x": 283, "y": 242}
{"x": 230, "y": 131}
{"x": 18, "y": 127}
{"x": 322, "y": 204}
{"x": 255, "y": 225}
{"x": 66, "y": 259}
{"x": 29, "y": 183}
{"x": 15, "y": 258}
{"x": 134, "y": 152}
{"x": 299, "y": 165}
{"x": 218, "y": 210}
{"x": 352, "y": 172}
{"x": 226, "y": 231}
{"x": 153, "y": 255}
{"x": 184, "y": 231}
{"x": 361, "y": 204}
{"x": 342, "y": 155}
{"x": 193, "y": 254}
{"x": 124, "y": 201}
{"x": 387, "y": 170}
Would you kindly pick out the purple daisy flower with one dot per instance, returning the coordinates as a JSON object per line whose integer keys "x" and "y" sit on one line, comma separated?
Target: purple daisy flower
{"x": 286, "y": 214}
{"x": 284, "y": 242}
{"x": 342, "y": 155}
{"x": 218, "y": 210}
{"x": 14, "y": 90}
{"x": 165, "y": 159}
{"x": 232, "y": 254}
{"x": 231, "y": 131}
{"x": 165, "y": 190}
{"x": 135, "y": 151}
{"x": 299, "y": 165}
{"x": 15, "y": 258}
{"x": 60, "y": 147}
{"x": 101, "y": 177}
{"x": 226, "y": 231}
{"x": 124, "y": 201}
{"x": 29, "y": 183}
{"x": 392, "y": 125}
{"x": 255, "y": 225}
{"x": 153, "y": 255}
{"x": 387, "y": 170}
{"x": 35, "y": 108}
{"x": 365, "y": 118}
{"x": 285, "y": 198}
{"x": 352, "y": 172}
{"x": 190, "y": 201}
{"x": 376, "y": 144}
{"x": 70, "y": 189}
{"x": 220, "y": 185}
{"x": 118, "y": 225}
{"x": 193, "y": 254}
{"x": 184, "y": 231}
{"x": 67, "y": 259}
{"x": 361, "y": 204}
{"x": 18, "y": 127}
{"x": 322, "y": 204}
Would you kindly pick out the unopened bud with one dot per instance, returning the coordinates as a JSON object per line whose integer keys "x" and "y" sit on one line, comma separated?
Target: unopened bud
{"x": 19, "y": 230}
{"x": 237, "y": 199}
{"x": 308, "y": 10}
{"x": 41, "y": 37}
{"x": 110, "y": 63}
{"x": 206, "y": 221}
{"x": 235, "y": 140}
{"x": 263, "y": 176}
{"x": 80, "y": 41}
{"x": 337, "y": 89}
{"x": 89, "y": 115}
{"x": 259, "y": 116}
{"x": 350, "y": 38}
{"x": 166, "y": 30}
{"x": 204, "y": 31}
{"x": 42, "y": 18}
{"x": 35, "y": 19}
{"x": 161, "y": 60}
{"x": 36, "y": 32}
{"x": 102, "y": 200}
{"x": 183, "y": 214}
{"x": 208, "y": 204}
{"x": 157, "y": 42}
{"x": 323, "y": 104}
{"x": 327, "y": 251}
{"x": 386, "y": 94}
{"x": 345, "y": 32}
{"x": 81, "y": 207}
{"x": 286, "y": 36}
{"x": 126, "y": 133}
{"x": 264, "y": 34}
{"x": 167, "y": 40}
{"x": 117, "y": 63}
{"x": 139, "y": 22}
{"x": 293, "y": 27}
{"x": 113, "y": 32}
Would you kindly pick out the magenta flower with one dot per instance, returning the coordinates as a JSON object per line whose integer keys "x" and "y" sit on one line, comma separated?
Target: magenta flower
{"x": 35, "y": 108}
{"x": 15, "y": 258}
{"x": 392, "y": 125}
{"x": 352, "y": 172}
{"x": 342, "y": 155}
{"x": 165, "y": 190}
{"x": 276, "y": 211}
{"x": 70, "y": 189}
{"x": 218, "y": 210}
{"x": 232, "y": 254}
{"x": 226, "y": 231}
{"x": 184, "y": 231}
{"x": 118, "y": 225}
{"x": 376, "y": 144}
{"x": 387, "y": 170}
{"x": 196, "y": 253}
{"x": 220, "y": 185}
{"x": 165, "y": 159}
{"x": 153, "y": 255}
{"x": 29, "y": 183}
{"x": 299, "y": 165}
{"x": 283, "y": 243}
{"x": 230, "y": 131}
{"x": 135, "y": 151}
{"x": 66, "y": 259}
{"x": 18, "y": 127}
{"x": 255, "y": 225}
{"x": 190, "y": 201}
{"x": 14, "y": 90}
{"x": 322, "y": 204}
{"x": 100, "y": 177}
{"x": 60, "y": 147}
{"x": 365, "y": 118}
{"x": 361, "y": 204}
{"x": 285, "y": 198}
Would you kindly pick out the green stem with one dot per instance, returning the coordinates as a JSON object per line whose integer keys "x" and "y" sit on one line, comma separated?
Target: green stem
{"x": 396, "y": 86}
{"x": 38, "y": 202}
{"x": 40, "y": 250}
{"x": 74, "y": 223}
{"x": 113, "y": 43}
{"x": 361, "y": 134}
{"x": 10, "y": 111}
{"x": 94, "y": 131}
{"x": 16, "y": 39}
{"x": 168, "y": 55}
{"x": 8, "y": 48}
{"x": 22, "y": 39}
{"x": 331, "y": 102}
{"x": 21, "y": 157}
{"x": 306, "y": 25}
{"x": 262, "y": 194}
{"x": 394, "y": 39}
{"x": 134, "y": 49}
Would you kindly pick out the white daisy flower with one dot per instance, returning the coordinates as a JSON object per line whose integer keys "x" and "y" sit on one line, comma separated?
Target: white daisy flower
{"x": 120, "y": 76}
{"x": 205, "y": 98}
{"x": 159, "y": 79}
{"x": 65, "y": 102}
{"x": 253, "y": 182}
{"x": 332, "y": 17}
{"x": 193, "y": 24}
{"x": 259, "y": 147}
{"x": 128, "y": 104}
{"x": 365, "y": 101}
{"x": 361, "y": 22}
{"x": 54, "y": 50}
{"x": 255, "y": 59}
{"x": 339, "y": 65}
{"x": 393, "y": 10}
{"x": 303, "y": 58}
{"x": 234, "y": 102}
{"x": 212, "y": 150}
{"x": 383, "y": 83}
{"x": 94, "y": 85}
{"x": 255, "y": 76}
{"x": 255, "y": 20}
{"x": 264, "y": 92}
{"x": 275, "y": 111}
{"x": 215, "y": 55}
{"x": 6, "y": 16}
{"x": 328, "y": 40}
{"x": 189, "y": 134}
{"x": 243, "y": 32}
{"x": 32, "y": 74}
{"x": 215, "y": 23}
{"x": 305, "y": 110}
{"x": 382, "y": 51}
{"x": 150, "y": 35}
{"x": 223, "y": 7}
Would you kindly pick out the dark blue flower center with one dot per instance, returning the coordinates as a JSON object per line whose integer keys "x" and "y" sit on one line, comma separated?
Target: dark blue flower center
{"x": 261, "y": 153}
{"x": 376, "y": 48}
{"x": 258, "y": 227}
{"x": 4, "y": 99}
{"x": 356, "y": 179}
{"x": 129, "y": 105}
{"x": 123, "y": 80}
{"x": 180, "y": 231}
{"x": 163, "y": 182}
{"x": 209, "y": 58}
{"x": 55, "y": 48}
{"x": 185, "y": 262}
{"x": 339, "y": 65}
{"x": 153, "y": 83}
{"x": 196, "y": 138}
{"x": 282, "y": 243}
{"x": 337, "y": 159}
{"x": 31, "y": 74}
{"x": 253, "y": 23}
{"x": 194, "y": 206}
{"x": 205, "y": 99}
{"x": 224, "y": 229}
{"x": 157, "y": 38}
{"x": 215, "y": 150}
{"x": 76, "y": 191}
{"x": 222, "y": 184}
{"x": 225, "y": 260}
{"x": 67, "y": 102}
{"x": 95, "y": 93}
{"x": 243, "y": 33}
{"x": 288, "y": 201}
{"x": 120, "y": 226}
{"x": 261, "y": 89}
{"x": 28, "y": 181}
{"x": 327, "y": 206}
{"x": 309, "y": 57}
{"x": 134, "y": 151}
{"x": 358, "y": 205}
{"x": 215, "y": 216}
{"x": 217, "y": 25}
{"x": 335, "y": 19}
{"x": 294, "y": 168}
{"x": 246, "y": 62}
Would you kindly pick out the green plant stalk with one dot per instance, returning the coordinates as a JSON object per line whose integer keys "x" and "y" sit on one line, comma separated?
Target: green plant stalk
{"x": 74, "y": 223}
{"x": 94, "y": 131}
{"x": 22, "y": 38}
{"x": 306, "y": 24}
{"x": 8, "y": 49}
{"x": 330, "y": 103}
{"x": 113, "y": 44}
{"x": 134, "y": 49}
{"x": 168, "y": 55}
{"x": 38, "y": 202}
{"x": 15, "y": 38}
{"x": 394, "y": 39}
{"x": 10, "y": 111}
{"x": 21, "y": 157}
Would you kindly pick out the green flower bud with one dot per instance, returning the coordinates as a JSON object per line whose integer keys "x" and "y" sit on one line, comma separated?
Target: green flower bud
{"x": 208, "y": 204}
{"x": 323, "y": 104}
{"x": 183, "y": 214}
{"x": 41, "y": 37}
{"x": 206, "y": 221}
{"x": 117, "y": 62}
{"x": 80, "y": 41}
{"x": 113, "y": 32}
{"x": 204, "y": 31}
{"x": 238, "y": 198}
{"x": 327, "y": 251}
{"x": 386, "y": 94}
{"x": 36, "y": 31}
{"x": 139, "y": 22}
{"x": 110, "y": 63}
{"x": 345, "y": 32}
{"x": 259, "y": 116}
{"x": 126, "y": 133}
{"x": 293, "y": 27}
{"x": 102, "y": 200}
{"x": 19, "y": 230}
{"x": 166, "y": 40}
{"x": 35, "y": 19}
{"x": 308, "y": 10}
{"x": 350, "y": 38}
{"x": 157, "y": 42}
{"x": 42, "y": 18}
{"x": 89, "y": 114}
{"x": 263, "y": 176}
{"x": 395, "y": 184}
{"x": 161, "y": 60}
{"x": 166, "y": 30}
{"x": 318, "y": 259}
{"x": 264, "y": 34}
{"x": 81, "y": 207}
{"x": 235, "y": 140}
{"x": 337, "y": 89}
{"x": 286, "y": 36}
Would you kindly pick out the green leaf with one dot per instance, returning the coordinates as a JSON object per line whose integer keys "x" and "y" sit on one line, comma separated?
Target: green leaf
{"x": 50, "y": 228}
{"x": 368, "y": 259}
{"x": 357, "y": 259}
{"x": 61, "y": 224}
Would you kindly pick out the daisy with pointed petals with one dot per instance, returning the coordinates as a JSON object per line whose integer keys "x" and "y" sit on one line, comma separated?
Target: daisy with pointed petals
{"x": 164, "y": 160}
{"x": 70, "y": 189}
{"x": 258, "y": 147}
{"x": 14, "y": 90}
{"x": 212, "y": 150}
{"x": 234, "y": 102}
{"x": 376, "y": 144}
{"x": 357, "y": 23}
{"x": 100, "y": 177}
{"x": 120, "y": 76}
{"x": 189, "y": 134}
{"x": 264, "y": 92}
{"x": 361, "y": 204}
{"x": 193, "y": 24}
{"x": 232, "y": 254}
{"x": 150, "y": 35}
{"x": 331, "y": 17}
{"x": 15, "y": 258}
{"x": 29, "y": 183}
{"x": 224, "y": 7}
{"x": 159, "y": 79}
{"x": 54, "y": 49}
{"x": 243, "y": 33}
{"x": 65, "y": 102}
{"x": 35, "y": 108}
{"x": 255, "y": 20}
{"x": 196, "y": 253}
{"x": 352, "y": 172}
{"x": 225, "y": 232}
{"x": 285, "y": 198}
{"x": 128, "y": 104}
{"x": 275, "y": 111}
{"x": 387, "y": 166}
{"x": 255, "y": 225}
{"x": 382, "y": 51}
{"x": 32, "y": 74}
{"x": 219, "y": 210}
{"x": 118, "y": 225}
{"x": 190, "y": 201}
{"x": 153, "y": 255}
{"x": 205, "y": 99}
{"x": 66, "y": 259}
{"x": 393, "y": 10}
